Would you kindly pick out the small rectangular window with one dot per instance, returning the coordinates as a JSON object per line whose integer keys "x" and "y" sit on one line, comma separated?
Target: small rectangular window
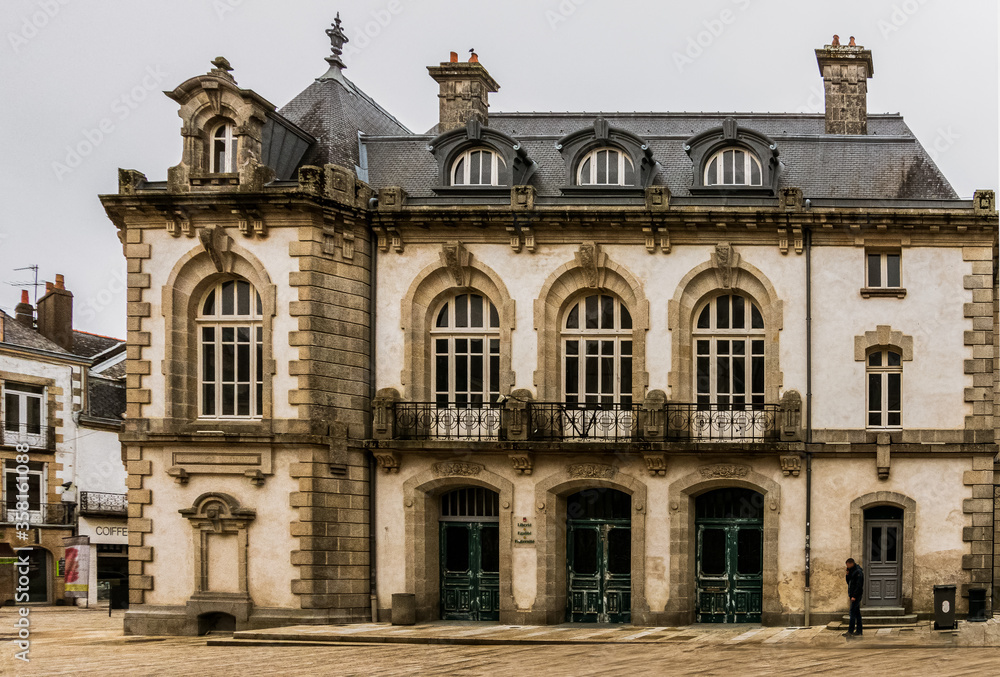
{"x": 882, "y": 270}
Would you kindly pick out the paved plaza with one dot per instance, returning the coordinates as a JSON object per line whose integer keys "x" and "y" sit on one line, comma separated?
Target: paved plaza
{"x": 88, "y": 642}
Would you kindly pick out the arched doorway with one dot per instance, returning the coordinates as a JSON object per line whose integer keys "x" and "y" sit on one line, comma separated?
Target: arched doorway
{"x": 470, "y": 554}
{"x": 883, "y": 557}
{"x": 729, "y": 561}
{"x": 599, "y": 556}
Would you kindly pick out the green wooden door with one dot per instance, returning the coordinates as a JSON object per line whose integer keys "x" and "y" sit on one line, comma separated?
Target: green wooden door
{"x": 730, "y": 571}
{"x": 599, "y": 563}
{"x": 470, "y": 571}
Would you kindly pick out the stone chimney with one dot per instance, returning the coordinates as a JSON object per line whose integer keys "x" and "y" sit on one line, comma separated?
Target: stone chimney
{"x": 465, "y": 89}
{"x": 23, "y": 312}
{"x": 55, "y": 314}
{"x": 845, "y": 70}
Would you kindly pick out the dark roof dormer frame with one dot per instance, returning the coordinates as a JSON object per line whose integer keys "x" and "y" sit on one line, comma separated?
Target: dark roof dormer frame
{"x": 701, "y": 147}
{"x": 448, "y": 146}
{"x": 575, "y": 145}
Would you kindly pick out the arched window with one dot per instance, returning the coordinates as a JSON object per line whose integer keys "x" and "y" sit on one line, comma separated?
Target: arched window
{"x": 606, "y": 167}
{"x": 231, "y": 351}
{"x": 477, "y": 167}
{"x": 733, "y": 167}
{"x": 885, "y": 388}
{"x": 466, "y": 340}
{"x": 729, "y": 354}
{"x": 597, "y": 352}
{"x": 225, "y": 147}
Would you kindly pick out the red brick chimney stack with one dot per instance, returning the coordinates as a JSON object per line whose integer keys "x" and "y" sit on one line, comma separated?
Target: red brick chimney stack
{"x": 23, "y": 311}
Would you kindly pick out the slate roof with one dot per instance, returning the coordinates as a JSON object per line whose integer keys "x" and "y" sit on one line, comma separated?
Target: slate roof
{"x": 888, "y": 163}
{"x": 88, "y": 345}
{"x": 334, "y": 112}
{"x": 16, "y": 334}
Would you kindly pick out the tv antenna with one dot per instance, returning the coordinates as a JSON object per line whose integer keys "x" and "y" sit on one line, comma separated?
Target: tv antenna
{"x": 35, "y": 284}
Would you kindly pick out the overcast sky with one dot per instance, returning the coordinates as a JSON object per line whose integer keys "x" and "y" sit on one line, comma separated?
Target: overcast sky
{"x": 82, "y": 82}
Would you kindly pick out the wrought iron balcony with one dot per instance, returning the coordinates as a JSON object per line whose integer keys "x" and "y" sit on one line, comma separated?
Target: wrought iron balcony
{"x": 99, "y": 503}
{"x": 34, "y": 436}
{"x": 722, "y": 423}
{"x": 519, "y": 418}
{"x": 38, "y": 514}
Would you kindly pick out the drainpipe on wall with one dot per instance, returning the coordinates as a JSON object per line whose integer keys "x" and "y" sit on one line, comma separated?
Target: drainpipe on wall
{"x": 807, "y": 593}
{"x": 372, "y": 469}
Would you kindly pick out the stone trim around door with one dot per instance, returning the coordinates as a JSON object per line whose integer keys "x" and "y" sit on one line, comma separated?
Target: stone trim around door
{"x": 422, "y": 511}
{"x": 681, "y": 496}
{"x": 590, "y": 271}
{"x": 909, "y": 507}
{"x": 193, "y": 274}
{"x": 550, "y": 535}
{"x": 458, "y": 271}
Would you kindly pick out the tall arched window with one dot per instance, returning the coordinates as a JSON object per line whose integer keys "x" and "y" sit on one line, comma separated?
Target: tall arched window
{"x": 729, "y": 353}
{"x": 225, "y": 147}
{"x": 597, "y": 352}
{"x": 885, "y": 388}
{"x": 733, "y": 167}
{"x": 231, "y": 351}
{"x": 606, "y": 167}
{"x": 466, "y": 340}
{"x": 477, "y": 167}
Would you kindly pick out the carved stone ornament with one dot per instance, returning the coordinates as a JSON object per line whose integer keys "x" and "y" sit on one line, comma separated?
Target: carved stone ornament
{"x": 388, "y": 461}
{"x": 590, "y": 258}
{"x": 456, "y": 258}
{"x": 791, "y": 465}
{"x": 522, "y": 462}
{"x": 216, "y": 244}
{"x": 592, "y": 470}
{"x": 723, "y": 471}
{"x": 656, "y": 463}
{"x": 459, "y": 468}
{"x": 725, "y": 259}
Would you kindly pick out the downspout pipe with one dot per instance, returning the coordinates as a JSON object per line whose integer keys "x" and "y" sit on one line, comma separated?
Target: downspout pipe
{"x": 807, "y": 593}
{"x": 372, "y": 469}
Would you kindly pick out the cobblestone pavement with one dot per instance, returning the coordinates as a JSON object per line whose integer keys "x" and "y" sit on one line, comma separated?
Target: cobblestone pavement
{"x": 78, "y": 642}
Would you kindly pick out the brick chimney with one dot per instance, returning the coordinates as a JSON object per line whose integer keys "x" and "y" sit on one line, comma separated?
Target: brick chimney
{"x": 845, "y": 70}
{"x": 55, "y": 314}
{"x": 465, "y": 89}
{"x": 23, "y": 312}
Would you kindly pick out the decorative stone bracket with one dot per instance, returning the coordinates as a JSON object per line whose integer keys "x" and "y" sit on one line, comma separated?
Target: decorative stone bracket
{"x": 515, "y": 417}
{"x": 790, "y": 414}
{"x": 726, "y": 262}
{"x": 882, "y": 455}
{"x": 522, "y": 461}
{"x": 656, "y": 463}
{"x": 456, "y": 258}
{"x": 387, "y": 460}
{"x": 383, "y": 414}
{"x": 791, "y": 465}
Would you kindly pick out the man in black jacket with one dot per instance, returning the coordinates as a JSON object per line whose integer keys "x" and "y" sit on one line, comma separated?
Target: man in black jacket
{"x": 855, "y": 590}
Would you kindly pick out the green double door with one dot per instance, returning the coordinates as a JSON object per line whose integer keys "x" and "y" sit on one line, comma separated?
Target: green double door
{"x": 729, "y": 559}
{"x": 599, "y": 557}
{"x": 470, "y": 571}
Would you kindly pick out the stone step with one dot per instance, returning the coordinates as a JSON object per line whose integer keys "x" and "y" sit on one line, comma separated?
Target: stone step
{"x": 882, "y": 621}
{"x": 882, "y": 611}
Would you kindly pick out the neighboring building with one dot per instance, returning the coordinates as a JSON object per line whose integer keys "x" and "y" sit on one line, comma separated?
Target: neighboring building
{"x": 63, "y": 396}
{"x": 632, "y": 367}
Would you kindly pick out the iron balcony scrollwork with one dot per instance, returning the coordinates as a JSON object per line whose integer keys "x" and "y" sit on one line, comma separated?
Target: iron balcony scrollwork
{"x": 722, "y": 423}
{"x": 100, "y": 503}
{"x": 446, "y": 421}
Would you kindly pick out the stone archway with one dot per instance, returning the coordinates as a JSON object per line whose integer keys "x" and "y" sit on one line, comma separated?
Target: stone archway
{"x": 909, "y": 508}
{"x": 550, "y": 537}
{"x": 421, "y": 513}
{"x": 681, "y": 496}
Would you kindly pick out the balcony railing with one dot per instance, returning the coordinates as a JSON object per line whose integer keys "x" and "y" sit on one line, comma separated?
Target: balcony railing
{"x": 525, "y": 420}
{"x": 40, "y": 514}
{"x": 722, "y": 423}
{"x": 34, "y": 436}
{"x": 99, "y": 503}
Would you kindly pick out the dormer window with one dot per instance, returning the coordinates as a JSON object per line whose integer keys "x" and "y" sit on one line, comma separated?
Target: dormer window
{"x": 477, "y": 167}
{"x": 733, "y": 167}
{"x": 606, "y": 167}
{"x": 225, "y": 146}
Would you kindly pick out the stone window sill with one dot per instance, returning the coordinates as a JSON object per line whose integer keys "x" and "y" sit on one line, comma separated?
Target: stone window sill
{"x": 883, "y": 292}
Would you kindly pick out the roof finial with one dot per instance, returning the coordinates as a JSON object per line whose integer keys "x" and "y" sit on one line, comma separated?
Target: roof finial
{"x": 337, "y": 40}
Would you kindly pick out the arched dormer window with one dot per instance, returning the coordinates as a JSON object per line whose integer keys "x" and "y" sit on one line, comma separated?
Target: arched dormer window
{"x": 477, "y": 167}
{"x": 231, "y": 347}
{"x": 606, "y": 167}
{"x": 733, "y": 167}
{"x": 225, "y": 148}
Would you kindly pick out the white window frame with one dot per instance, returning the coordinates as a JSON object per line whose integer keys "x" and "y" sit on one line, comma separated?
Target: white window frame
{"x": 617, "y": 334}
{"x": 464, "y": 162}
{"x": 883, "y": 371}
{"x": 749, "y": 162}
{"x": 883, "y": 275}
{"x": 713, "y": 334}
{"x": 451, "y": 333}
{"x": 22, "y": 436}
{"x": 230, "y": 148}
{"x": 623, "y": 161}
{"x": 217, "y": 322}
{"x": 34, "y": 516}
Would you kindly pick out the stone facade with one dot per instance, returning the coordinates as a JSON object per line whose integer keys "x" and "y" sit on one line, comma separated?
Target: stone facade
{"x": 330, "y": 499}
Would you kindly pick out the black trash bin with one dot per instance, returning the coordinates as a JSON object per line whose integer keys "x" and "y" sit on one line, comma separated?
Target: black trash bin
{"x": 944, "y": 607}
{"x": 977, "y": 605}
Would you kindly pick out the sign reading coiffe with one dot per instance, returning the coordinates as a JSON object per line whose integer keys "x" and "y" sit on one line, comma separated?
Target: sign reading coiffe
{"x": 104, "y": 531}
